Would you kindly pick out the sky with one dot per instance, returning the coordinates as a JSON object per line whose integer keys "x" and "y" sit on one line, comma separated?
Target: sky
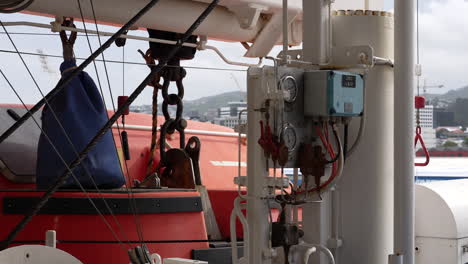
{"x": 443, "y": 37}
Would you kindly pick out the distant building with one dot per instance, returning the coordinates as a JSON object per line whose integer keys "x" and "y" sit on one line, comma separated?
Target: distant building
{"x": 229, "y": 115}
{"x": 426, "y": 118}
{"x": 443, "y": 118}
{"x": 211, "y": 115}
{"x": 194, "y": 115}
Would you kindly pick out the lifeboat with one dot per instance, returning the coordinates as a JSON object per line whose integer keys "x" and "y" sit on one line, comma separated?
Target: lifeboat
{"x": 171, "y": 222}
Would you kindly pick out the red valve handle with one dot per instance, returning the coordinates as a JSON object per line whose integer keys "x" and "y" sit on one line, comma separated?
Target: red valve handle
{"x": 261, "y": 140}
{"x": 426, "y": 153}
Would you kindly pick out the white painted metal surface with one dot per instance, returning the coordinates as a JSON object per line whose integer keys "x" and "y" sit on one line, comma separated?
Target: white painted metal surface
{"x": 441, "y": 223}
{"x": 183, "y": 261}
{"x": 233, "y": 20}
{"x": 188, "y": 131}
{"x": 366, "y": 194}
{"x": 169, "y": 15}
{"x": 257, "y": 209}
{"x": 316, "y": 30}
{"x": 36, "y": 254}
{"x": 442, "y": 209}
{"x": 404, "y": 113}
{"x": 359, "y": 4}
{"x": 443, "y": 167}
{"x": 51, "y": 238}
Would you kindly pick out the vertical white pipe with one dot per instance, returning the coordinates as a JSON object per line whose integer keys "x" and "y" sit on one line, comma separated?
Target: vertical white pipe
{"x": 285, "y": 30}
{"x": 366, "y": 188}
{"x": 366, "y": 4}
{"x": 404, "y": 111}
{"x": 315, "y": 31}
{"x": 51, "y": 238}
{"x": 257, "y": 208}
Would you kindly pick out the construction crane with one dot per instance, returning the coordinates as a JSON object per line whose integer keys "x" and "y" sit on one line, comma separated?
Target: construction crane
{"x": 425, "y": 87}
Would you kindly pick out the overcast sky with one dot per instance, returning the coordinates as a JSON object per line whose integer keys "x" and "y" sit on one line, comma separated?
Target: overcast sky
{"x": 443, "y": 41}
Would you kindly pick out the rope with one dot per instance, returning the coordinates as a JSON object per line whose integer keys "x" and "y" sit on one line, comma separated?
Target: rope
{"x": 154, "y": 132}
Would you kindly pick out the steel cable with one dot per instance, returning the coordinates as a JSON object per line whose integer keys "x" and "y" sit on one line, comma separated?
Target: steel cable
{"x": 129, "y": 178}
{"x": 126, "y": 62}
{"x": 63, "y": 82}
{"x": 67, "y": 137}
{"x": 11, "y": 236}
{"x": 61, "y": 180}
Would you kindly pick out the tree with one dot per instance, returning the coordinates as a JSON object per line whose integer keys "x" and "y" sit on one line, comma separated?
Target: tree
{"x": 442, "y": 133}
{"x": 450, "y": 144}
{"x": 465, "y": 142}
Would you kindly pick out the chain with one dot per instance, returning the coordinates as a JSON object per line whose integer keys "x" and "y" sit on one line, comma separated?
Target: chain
{"x": 172, "y": 74}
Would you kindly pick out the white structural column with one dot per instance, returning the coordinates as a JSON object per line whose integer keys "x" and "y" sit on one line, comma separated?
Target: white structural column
{"x": 315, "y": 31}
{"x": 404, "y": 111}
{"x": 257, "y": 209}
{"x": 366, "y": 188}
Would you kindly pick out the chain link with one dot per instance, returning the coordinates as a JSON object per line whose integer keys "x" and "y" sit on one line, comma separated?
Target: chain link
{"x": 172, "y": 74}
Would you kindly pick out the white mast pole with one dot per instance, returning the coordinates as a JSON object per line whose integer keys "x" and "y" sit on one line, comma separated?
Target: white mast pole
{"x": 404, "y": 111}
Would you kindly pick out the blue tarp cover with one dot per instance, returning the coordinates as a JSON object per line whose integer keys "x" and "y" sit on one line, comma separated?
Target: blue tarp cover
{"x": 81, "y": 112}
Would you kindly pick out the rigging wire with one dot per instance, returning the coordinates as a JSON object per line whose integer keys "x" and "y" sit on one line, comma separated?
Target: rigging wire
{"x": 129, "y": 191}
{"x": 42, "y": 34}
{"x": 123, "y": 71}
{"x": 65, "y": 132}
{"x": 417, "y": 45}
{"x": 99, "y": 79}
{"x": 60, "y": 181}
{"x": 128, "y": 62}
{"x": 70, "y": 171}
{"x": 64, "y": 81}
{"x": 13, "y": 6}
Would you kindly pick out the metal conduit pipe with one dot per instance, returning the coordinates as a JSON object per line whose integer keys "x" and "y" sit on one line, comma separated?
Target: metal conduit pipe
{"x": 188, "y": 131}
{"x": 313, "y": 248}
{"x": 404, "y": 111}
{"x": 237, "y": 213}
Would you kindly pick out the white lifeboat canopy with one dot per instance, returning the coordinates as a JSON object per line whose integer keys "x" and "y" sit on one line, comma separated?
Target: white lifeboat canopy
{"x": 441, "y": 222}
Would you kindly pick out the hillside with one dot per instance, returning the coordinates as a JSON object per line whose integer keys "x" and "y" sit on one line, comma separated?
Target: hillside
{"x": 204, "y": 108}
{"x": 450, "y": 95}
{"x": 203, "y": 104}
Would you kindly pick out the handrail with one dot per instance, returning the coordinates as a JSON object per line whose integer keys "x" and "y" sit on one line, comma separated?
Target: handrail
{"x": 57, "y": 27}
{"x": 188, "y": 131}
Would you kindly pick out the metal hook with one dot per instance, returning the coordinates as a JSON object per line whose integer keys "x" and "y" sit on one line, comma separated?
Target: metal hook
{"x": 68, "y": 42}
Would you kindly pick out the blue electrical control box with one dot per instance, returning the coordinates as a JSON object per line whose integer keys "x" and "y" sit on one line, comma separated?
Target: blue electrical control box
{"x": 333, "y": 93}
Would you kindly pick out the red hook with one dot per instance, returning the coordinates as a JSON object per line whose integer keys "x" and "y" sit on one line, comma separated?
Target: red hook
{"x": 420, "y": 139}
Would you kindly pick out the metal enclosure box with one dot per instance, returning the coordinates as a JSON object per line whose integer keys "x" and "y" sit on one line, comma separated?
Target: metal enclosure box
{"x": 333, "y": 93}
{"x": 441, "y": 226}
